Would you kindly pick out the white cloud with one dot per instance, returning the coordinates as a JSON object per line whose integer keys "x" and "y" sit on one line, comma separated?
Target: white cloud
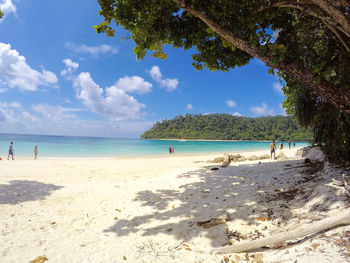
{"x": 7, "y": 7}
{"x": 278, "y": 88}
{"x": 55, "y": 119}
{"x": 2, "y": 90}
{"x": 71, "y": 67}
{"x": 283, "y": 111}
{"x": 168, "y": 84}
{"x": 189, "y": 106}
{"x": 236, "y": 114}
{"x": 16, "y": 73}
{"x": 94, "y": 51}
{"x": 231, "y": 103}
{"x": 115, "y": 104}
{"x": 262, "y": 110}
{"x": 134, "y": 84}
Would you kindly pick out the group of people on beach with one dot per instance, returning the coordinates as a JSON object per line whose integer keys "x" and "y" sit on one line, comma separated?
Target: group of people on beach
{"x": 12, "y": 150}
{"x": 273, "y": 147}
{"x": 171, "y": 150}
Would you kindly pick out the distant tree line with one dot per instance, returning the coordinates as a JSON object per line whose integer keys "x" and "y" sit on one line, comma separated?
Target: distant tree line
{"x": 228, "y": 127}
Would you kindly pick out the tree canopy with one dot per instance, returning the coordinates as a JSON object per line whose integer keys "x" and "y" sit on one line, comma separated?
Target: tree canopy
{"x": 227, "y": 127}
{"x": 307, "y": 40}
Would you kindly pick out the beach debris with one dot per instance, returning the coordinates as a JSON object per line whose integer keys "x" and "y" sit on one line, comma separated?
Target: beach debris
{"x": 124, "y": 258}
{"x": 39, "y": 259}
{"x": 116, "y": 218}
{"x": 118, "y": 210}
{"x": 53, "y": 223}
{"x": 252, "y": 158}
{"x": 342, "y": 218}
{"x": 346, "y": 186}
{"x": 261, "y": 218}
{"x": 218, "y": 160}
{"x": 214, "y": 169}
{"x": 282, "y": 156}
{"x": 226, "y": 160}
{"x": 213, "y": 221}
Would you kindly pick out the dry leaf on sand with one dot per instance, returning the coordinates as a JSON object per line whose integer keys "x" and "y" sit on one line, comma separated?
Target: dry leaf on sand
{"x": 39, "y": 259}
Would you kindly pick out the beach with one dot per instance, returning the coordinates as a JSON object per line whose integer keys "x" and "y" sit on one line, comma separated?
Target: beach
{"x": 170, "y": 208}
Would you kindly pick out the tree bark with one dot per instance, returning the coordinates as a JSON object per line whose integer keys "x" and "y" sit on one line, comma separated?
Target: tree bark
{"x": 338, "y": 97}
{"x": 302, "y": 231}
{"x": 335, "y": 13}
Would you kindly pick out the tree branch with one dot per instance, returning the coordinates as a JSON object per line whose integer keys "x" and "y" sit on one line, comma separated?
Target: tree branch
{"x": 338, "y": 97}
{"x": 307, "y": 10}
{"x": 335, "y": 13}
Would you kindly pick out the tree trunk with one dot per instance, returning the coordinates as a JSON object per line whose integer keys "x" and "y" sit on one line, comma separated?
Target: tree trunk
{"x": 336, "y": 96}
{"x": 302, "y": 231}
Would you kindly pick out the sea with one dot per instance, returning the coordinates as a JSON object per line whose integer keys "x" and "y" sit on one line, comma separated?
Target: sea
{"x": 98, "y": 147}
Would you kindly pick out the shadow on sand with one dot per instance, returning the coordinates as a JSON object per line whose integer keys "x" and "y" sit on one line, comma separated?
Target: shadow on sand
{"x": 217, "y": 193}
{"x": 19, "y": 191}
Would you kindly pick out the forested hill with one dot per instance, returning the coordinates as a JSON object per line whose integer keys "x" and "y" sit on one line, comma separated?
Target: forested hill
{"x": 227, "y": 127}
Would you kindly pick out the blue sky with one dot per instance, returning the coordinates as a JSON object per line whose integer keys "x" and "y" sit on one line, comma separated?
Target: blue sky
{"x": 59, "y": 77}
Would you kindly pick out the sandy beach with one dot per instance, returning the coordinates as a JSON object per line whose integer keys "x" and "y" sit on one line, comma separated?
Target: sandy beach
{"x": 167, "y": 209}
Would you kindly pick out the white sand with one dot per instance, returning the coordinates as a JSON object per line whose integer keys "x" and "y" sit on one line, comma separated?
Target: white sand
{"x": 147, "y": 209}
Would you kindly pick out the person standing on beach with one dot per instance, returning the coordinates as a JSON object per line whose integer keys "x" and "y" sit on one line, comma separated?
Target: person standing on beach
{"x": 10, "y": 151}
{"x": 35, "y": 151}
{"x": 273, "y": 149}
{"x": 170, "y": 150}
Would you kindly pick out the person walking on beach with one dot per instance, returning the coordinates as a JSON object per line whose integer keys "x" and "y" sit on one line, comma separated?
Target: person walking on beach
{"x": 273, "y": 149}
{"x": 35, "y": 151}
{"x": 10, "y": 151}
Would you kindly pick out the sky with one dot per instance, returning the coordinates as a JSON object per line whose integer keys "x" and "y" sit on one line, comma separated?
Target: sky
{"x": 59, "y": 77}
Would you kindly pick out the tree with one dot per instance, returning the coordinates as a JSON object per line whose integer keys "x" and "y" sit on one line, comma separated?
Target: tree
{"x": 1, "y": 14}
{"x": 230, "y": 33}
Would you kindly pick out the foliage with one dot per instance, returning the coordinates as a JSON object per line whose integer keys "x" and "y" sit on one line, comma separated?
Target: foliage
{"x": 330, "y": 126}
{"x": 227, "y": 127}
{"x": 1, "y": 14}
{"x": 227, "y": 34}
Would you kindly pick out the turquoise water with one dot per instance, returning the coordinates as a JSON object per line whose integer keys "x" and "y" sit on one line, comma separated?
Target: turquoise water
{"x": 85, "y": 147}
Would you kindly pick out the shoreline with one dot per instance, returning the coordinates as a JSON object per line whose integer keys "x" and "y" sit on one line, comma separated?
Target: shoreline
{"x": 152, "y": 156}
{"x": 207, "y": 140}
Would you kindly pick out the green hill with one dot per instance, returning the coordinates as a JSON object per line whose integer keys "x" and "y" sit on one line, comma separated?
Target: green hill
{"x": 227, "y": 127}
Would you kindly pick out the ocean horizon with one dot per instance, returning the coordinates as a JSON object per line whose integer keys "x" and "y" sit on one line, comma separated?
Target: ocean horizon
{"x": 57, "y": 146}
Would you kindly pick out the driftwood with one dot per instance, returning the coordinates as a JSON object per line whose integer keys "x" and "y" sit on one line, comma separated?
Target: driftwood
{"x": 302, "y": 231}
{"x": 346, "y": 186}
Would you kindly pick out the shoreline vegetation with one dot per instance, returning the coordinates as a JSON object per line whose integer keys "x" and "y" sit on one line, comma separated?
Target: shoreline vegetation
{"x": 173, "y": 208}
{"x": 226, "y": 127}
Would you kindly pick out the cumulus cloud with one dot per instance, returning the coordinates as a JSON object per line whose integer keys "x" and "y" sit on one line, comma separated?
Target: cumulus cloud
{"x": 168, "y": 84}
{"x": 115, "y": 103}
{"x": 7, "y": 7}
{"x": 189, "y": 106}
{"x": 277, "y": 87}
{"x": 94, "y": 51}
{"x": 231, "y": 103}
{"x": 134, "y": 84}
{"x": 16, "y": 73}
{"x": 71, "y": 67}
{"x": 262, "y": 110}
{"x": 55, "y": 119}
{"x": 13, "y": 113}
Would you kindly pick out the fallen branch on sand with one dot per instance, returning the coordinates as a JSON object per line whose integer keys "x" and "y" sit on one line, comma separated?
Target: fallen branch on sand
{"x": 342, "y": 218}
{"x": 346, "y": 186}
